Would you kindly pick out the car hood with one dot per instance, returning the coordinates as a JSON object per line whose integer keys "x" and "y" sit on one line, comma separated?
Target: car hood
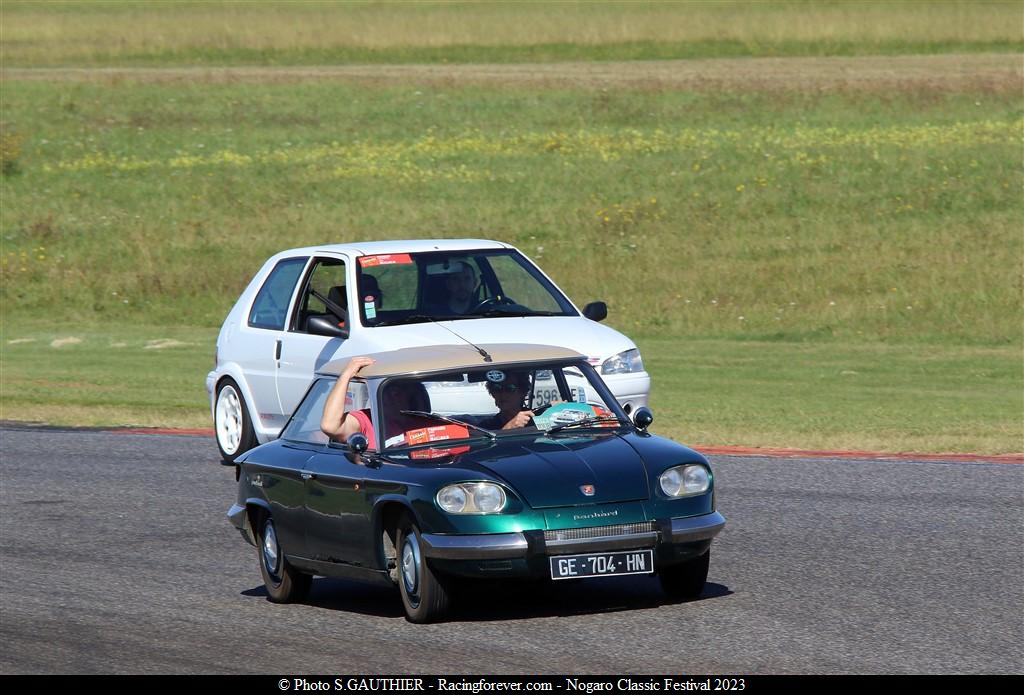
{"x": 587, "y": 337}
{"x": 553, "y": 471}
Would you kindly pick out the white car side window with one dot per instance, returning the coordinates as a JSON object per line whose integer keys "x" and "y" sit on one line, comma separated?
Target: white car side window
{"x": 271, "y": 305}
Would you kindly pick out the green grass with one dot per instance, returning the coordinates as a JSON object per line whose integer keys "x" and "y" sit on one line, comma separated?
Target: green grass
{"x": 822, "y": 262}
{"x": 76, "y": 374}
{"x": 314, "y": 33}
{"x": 879, "y": 397}
{"x": 767, "y": 216}
{"x": 861, "y": 397}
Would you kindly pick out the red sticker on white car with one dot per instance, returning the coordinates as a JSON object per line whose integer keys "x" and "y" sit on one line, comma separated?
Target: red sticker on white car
{"x": 385, "y": 259}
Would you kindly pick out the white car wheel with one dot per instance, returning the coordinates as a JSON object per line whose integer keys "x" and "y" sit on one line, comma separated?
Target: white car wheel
{"x": 231, "y": 422}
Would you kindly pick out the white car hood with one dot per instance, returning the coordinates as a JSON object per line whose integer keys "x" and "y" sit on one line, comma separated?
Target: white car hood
{"x": 587, "y": 337}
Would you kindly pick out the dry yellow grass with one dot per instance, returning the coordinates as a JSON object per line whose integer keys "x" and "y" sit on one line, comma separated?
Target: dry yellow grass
{"x": 997, "y": 72}
{"x": 49, "y": 33}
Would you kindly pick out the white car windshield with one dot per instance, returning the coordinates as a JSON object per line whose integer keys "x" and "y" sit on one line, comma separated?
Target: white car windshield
{"x": 418, "y": 287}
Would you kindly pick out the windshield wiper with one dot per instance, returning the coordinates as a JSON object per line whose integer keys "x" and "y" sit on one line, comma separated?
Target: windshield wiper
{"x": 584, "y": 423}
{"x": 445, "y": 418}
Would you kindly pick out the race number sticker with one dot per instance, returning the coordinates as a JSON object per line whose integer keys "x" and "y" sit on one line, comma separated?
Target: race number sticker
{"x": 385, "y": 259}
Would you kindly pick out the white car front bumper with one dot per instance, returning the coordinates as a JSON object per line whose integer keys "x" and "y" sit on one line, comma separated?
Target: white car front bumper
{"x": 632, "y": 390}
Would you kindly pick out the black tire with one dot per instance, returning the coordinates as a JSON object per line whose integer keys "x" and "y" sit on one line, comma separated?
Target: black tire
{"x": 231, "y": 424}
{"x": 425, "y": 594}
{"x": 284, "y": 583}
{"x": 686, "y": 580}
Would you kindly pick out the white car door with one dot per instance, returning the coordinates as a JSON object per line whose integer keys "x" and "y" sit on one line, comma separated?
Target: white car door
{"x": 303, "y": 352}
{"x": 258, "y": 345}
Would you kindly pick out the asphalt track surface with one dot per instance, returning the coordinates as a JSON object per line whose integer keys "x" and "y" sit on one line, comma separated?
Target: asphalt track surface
{"x": 116, "y": 557}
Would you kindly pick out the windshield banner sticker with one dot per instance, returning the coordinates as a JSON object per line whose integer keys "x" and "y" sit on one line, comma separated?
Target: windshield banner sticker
{"x": 385, "y": 259}
{"x": 439, "y": 433}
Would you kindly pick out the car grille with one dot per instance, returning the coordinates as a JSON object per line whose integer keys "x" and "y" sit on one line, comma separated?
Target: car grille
{"x": 574, "y": 534}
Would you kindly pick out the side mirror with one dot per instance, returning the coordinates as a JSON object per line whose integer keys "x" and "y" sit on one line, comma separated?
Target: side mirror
{"x": 358, "y": 442}
{"x": 642, "y": 418}
{"x": 596, "y": 311}
{"x": 319, "y": 325}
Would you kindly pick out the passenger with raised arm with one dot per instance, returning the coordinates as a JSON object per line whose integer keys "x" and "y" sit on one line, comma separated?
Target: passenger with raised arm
{"x": 338, "y": 424}
{"x": 400, "y": 396}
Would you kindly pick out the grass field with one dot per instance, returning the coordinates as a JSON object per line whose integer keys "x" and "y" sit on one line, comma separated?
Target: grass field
{"x": 753, "y": 215}
{"x": 810, "y": 251}
{"x": 810, "y": 395}
{"x": 315, "y": 33}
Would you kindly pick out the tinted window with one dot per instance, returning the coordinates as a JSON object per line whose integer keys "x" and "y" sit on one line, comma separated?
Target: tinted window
{"x": 271, "y": 305}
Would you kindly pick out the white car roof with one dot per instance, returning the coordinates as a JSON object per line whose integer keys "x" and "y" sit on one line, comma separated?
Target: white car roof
{"x": 373, "y": 248}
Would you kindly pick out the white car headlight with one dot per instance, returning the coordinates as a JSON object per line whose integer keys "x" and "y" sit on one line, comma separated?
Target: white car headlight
{"x": 623, "y": 363}
{"x": 683, "y": 481}
{"x": 472, "y": 498}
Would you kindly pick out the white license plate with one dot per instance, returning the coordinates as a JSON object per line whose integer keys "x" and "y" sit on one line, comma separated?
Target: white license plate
{"x": 602, "y": 564}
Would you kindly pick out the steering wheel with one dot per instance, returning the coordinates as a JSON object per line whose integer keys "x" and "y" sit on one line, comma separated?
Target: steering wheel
{"x": 496, "y": 300}
{"x": 541, "y": 408}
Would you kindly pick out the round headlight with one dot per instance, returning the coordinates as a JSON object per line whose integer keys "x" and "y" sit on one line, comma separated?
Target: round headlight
{"x": 691, "y": 479}
{"x": 472, "y": 498}
{"x": 452, "y": 499}
{"x": 672, "y": 482}
{"x": 695, "y": 479}
{"x": 488, "y": 498}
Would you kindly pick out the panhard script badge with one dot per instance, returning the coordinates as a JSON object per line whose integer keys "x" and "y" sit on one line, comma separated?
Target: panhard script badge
{"x": 587, "y": 490}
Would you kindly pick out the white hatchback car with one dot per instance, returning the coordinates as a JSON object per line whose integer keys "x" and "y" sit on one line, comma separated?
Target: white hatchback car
{"x": 308, "y": 306}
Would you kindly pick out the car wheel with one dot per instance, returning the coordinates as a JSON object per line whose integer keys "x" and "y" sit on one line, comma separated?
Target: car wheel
{"x": 284, "y": 583}
{"x": 425, "y": 594}
{"x": 686, "y": 580}
{"x": 231, "y": 422}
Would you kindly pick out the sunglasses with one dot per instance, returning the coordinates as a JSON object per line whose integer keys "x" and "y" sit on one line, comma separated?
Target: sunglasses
{"x": 508, "y": 388}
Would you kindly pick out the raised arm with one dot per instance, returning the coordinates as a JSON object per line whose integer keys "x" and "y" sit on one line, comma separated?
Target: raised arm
{"x": 336, "y": 423}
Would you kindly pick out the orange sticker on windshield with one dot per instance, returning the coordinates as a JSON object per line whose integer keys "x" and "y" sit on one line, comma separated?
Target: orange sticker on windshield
{"x": 385, "y": 259}
{"x": 439, "y": 433}
{"x": 432, "y": 453}
{"x": 604, "y": 412}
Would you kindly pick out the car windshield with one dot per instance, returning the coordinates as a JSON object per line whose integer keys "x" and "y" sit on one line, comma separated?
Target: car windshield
{"x": 495, "y": 401}
{"x": 406, "y": 288}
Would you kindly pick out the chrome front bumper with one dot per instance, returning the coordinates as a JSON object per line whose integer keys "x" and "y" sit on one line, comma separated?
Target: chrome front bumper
{"x": 507, "y": 546}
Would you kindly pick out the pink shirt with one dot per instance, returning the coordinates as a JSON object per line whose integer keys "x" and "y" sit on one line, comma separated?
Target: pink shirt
{"x": 365, "y": 426}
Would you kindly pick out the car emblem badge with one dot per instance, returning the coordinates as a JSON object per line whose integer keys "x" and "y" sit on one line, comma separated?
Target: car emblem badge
{"x": 587, "y": 490}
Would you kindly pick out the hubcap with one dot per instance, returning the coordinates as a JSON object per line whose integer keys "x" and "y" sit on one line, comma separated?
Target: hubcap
{"x": 410, "y": 566}
{"x": 229, "y": 420}
{"x": 270, "y": 549}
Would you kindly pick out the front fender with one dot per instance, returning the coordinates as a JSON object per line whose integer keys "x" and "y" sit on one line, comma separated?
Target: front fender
{"x": 387, "y": 509}
{"x": 243, "y": 517}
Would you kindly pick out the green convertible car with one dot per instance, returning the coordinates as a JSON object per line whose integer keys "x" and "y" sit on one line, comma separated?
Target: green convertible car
{"x": 474, "y": 461}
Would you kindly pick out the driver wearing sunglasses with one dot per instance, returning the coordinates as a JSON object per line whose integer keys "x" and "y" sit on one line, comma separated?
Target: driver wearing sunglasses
{"x": 509, "y": 395}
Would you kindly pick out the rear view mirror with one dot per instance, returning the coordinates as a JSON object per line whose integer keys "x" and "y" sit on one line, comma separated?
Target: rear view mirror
{"x": 642, "y": 418}
{"x": 596, "y": 311}
{"x": 358, "y": 442}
